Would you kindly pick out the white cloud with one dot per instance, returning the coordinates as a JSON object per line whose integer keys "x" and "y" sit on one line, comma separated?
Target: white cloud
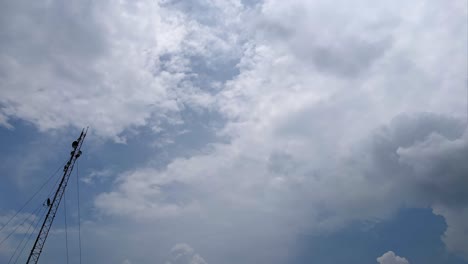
{"x": 109, "y": 65}
{"x": 184, "y": 254}
{"x": 143, "y": 194}
{"x": 391, "y": 258}
{"x": 96, "y": 175}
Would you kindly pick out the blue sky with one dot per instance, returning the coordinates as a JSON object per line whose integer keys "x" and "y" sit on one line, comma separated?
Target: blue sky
{"x": 239, "y": 131}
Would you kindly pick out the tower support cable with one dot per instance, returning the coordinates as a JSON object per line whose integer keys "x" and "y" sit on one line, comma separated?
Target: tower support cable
{"x": 25, "y": 235}
{"x": 78, "y": 201}
{"x": 66, "y": 226}
{"x": 30, "y": 198}
{"x": 30, "y": 236}
{"x": 21, "y": 224}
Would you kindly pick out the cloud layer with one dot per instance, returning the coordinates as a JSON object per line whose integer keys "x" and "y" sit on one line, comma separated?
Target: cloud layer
{"x": 306, "y": 143}
{"x": 331, "y": 112}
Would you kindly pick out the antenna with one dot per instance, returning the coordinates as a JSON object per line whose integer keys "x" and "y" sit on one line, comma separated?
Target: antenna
{"x": 54, "y": 204}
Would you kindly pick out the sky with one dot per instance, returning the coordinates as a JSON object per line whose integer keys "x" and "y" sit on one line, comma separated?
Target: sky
{"x": 237, "y": 131}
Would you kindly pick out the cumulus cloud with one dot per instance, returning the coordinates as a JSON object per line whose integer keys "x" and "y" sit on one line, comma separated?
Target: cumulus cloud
{"x": 184, "y": 254}
{"x": 391, "y": 258}
{"x": 310, "y": 143}
{"x": 110, "y": 65}
{"x": 371, "y": 182}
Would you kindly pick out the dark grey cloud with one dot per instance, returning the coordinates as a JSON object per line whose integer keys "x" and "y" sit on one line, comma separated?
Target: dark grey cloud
{"x": 425, "y": 151}
{"x": 330, "y": 40}
{"x": 350, "y": 58}
{"x": 424, "y": 156}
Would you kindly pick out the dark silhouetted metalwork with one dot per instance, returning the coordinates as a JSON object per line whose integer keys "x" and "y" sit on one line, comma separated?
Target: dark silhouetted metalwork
{"x": 54, "y": 204}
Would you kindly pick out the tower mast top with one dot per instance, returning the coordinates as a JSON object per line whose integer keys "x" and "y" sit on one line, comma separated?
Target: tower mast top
{"x": 54, "y": 204}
